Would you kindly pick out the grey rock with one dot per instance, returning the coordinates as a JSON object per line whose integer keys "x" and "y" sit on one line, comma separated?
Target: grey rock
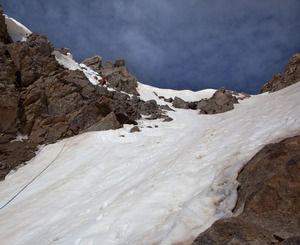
{"x": 289, "y": 77}
{"x": 269, "y": 197}
{"x": 221, "y": 101}
{"x": 95, "y": 63}
{"x": 180, "y": 103}
{"x": 107, "y": 123}
{"x": 148, "y": 107}
{"x": 134, "y": 129}
{"x": 119, "y": 63}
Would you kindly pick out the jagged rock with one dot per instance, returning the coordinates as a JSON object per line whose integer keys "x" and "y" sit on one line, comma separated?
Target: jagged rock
{"x": 9, "y": 96}
{"x": 107, "y": 123}
{"x": 4, "y": 36}
{"x": 119, "y": 63}
{"x": 15, "y": 153}
{"x": 118, "y": 77}
{"x": 32, "y": 58}
{"x": 271, "y": 213}
{"x": 95, "y": 63}
{"x": 108, "y": 64}
{"x": 149, "y": 107}
{"x": 193, "y": 105}
{"x": 201, "y": 104}
{"x": 169, "y": 100}
{"x": 166, "y": 107}
{"x": 180, "y": 103}
{"x": 64, "y": 51}
{"x": 221, "y": 101}
{"x": 289, "y": 77}
{"x": 168, "y": 119}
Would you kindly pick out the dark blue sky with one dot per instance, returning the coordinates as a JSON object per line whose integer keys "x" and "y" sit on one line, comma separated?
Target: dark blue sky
{"x": 179, "y": 44}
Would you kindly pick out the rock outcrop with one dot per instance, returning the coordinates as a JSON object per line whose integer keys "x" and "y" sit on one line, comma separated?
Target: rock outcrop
{"x": 221, "y": 101}
{"x": 43, "y": 100}
{"x": 289, "y": 77}
{"x": 95, "y": 63}
{"x": 119, "y": 77}
{"x": 4, "y": 37}
{"x": 269, "y": 195}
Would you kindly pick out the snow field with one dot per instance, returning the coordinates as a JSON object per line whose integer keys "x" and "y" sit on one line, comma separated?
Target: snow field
{"x": 163, "y": 185}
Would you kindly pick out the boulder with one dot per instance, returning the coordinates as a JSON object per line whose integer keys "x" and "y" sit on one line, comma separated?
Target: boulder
{"x": 180, "y": 103}
{"x": 148, "y": 107}
{"x": 270, "y": 213}
{"x": 221, "y": 101}
{"x": 134, "y": 129}
{"x": 107, "y": 123}
{"x": 95, "y": 63}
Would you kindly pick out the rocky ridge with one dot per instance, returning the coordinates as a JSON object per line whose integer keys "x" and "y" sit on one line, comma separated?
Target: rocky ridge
{"x": 41, "y": 101}
{"x": 268, "y": 205}
{"x": 289, "y": 77}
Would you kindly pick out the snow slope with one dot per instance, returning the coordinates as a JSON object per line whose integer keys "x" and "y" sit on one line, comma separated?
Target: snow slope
{"x": 16, "y": 30}
{"x": 68, "y": 62}
{"x": 163, "y": 185}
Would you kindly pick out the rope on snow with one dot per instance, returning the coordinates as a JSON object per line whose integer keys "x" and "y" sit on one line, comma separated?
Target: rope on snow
{"x": 35, "y": 176}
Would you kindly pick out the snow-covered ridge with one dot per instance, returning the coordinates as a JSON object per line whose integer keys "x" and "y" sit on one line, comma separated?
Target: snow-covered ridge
{"x": 19, "y": 32}
{"x": 16, "y": 30}
{"x": 148, "y": 92}
{"x": 68, "y": 62}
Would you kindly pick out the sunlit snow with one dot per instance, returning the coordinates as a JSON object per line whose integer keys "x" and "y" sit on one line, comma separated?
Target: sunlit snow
{"x": 163, "y": 185}
{"x": 16, "y": 30}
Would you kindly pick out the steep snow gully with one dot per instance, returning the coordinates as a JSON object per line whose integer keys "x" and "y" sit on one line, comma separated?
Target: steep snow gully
{"x": 163, "y": 185}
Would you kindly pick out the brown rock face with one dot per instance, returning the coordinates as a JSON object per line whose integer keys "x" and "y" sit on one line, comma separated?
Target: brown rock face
{"x": 9, "y": 96}
{"x": 119, "y": 77}
{"x": 269, "y": 195}
{"x": 47, "y": 102}
{"x": 33, "y": 58}
{"x": 289, "y": 77}
{"x": 95, "y": 63}
{"x": 4, "y": 37}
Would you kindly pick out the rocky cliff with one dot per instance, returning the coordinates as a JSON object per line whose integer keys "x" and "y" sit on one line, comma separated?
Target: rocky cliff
{"x": 268, "y": 205}
{"x": 269, "y": 198}
{"x": 41, "y": 101}
{"x": 289, "y": 77}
